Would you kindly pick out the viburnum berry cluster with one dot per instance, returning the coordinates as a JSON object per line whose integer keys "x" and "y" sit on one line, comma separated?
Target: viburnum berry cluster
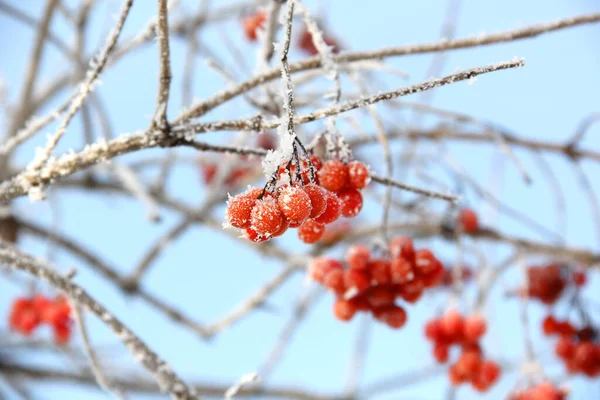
{"x": 547, "y": 283}
{"x": 374, "y": 284}
{"x": 307, "y": 195}
{"x": 577, "y": 348}
{"x": 542, "y": 391}
{"x": 29, "y": 313}
{"x": 453, "y": 329}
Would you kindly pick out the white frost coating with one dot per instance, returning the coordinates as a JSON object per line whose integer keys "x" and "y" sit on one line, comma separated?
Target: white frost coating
{"x": 325, "y": 51}
{"x": 472, "y": 80}
{"x": 243, "y": 381}
{"x": 36, "y": 193}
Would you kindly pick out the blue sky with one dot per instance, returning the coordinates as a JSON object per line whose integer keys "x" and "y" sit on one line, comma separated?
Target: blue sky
{"x": 207, "y": 274}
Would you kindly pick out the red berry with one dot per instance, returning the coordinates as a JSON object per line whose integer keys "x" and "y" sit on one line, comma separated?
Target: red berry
{"x": 441, "y": 352}
{"x": 412, "y": 291}
{"x": 356, "y": 280}
{"x": 402, "y": 246}
{"x": 402, "y": 271}
{"x": 565, "y": 348}
{"x": 253, "y": 236}
{"x": 456, "y": 376}
{"x": 380, "y": 271}
{"x": 335, "y": 281}
{"x": 425, "y": 261}
{"x": 579, "y": 278}
{"x": 468, "y": 220}
{"x": 332, "y": 211}
{"x": 468, "y": 363}
{"x": 311, "y": 231}
{"x": 266, "y": 141}
{"x": 394, "y": 316}
{"x": 320, "y": 267}
{"x": 452, "y": 324}
{"x": 352, "y": 202}
{"x": 318, "y": 199}
{"x": 294, "y": 203}
{"x": 252, "y": 23}
{"x": 62, "y": 333}
{"x": 333, "y": 175}
{"x": 380, "y": 297}
{"x": 316, "y": 162}
{"x": 285, "y": 224}
{"x": 550, "y": 326}
{"x": 358, "y": 256}
{"x": 434, "y": 331}
{"x": 489, "y": 372}
{"x": 344, "y": 310}
{"x": 266, "y": 219}
{"x": 474, "y": 327}
{"x": 239, "y": 210}
{"x": 358, "y": 175}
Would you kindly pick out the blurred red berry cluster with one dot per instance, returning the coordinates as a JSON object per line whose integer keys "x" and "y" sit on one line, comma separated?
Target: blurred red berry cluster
{"x": 307, "y": 44}
{"x": 465, "y": 333}
{"x": 547, "y": 283}
{"x": 252, "y": 23}
{"x": 29, "y": 313}
{"x": 317, "y": 196}
{"x": 577, "y": 348}
{"x": 374, "y": 284}
{"x": 541, "y": 391}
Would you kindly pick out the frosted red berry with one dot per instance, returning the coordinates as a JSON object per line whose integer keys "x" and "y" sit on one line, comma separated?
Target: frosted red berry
{"x": 358, "y": 175}
{"x": 333, "y": 175}
{"x": 318, "y": 199}
{"x": 452, "y": 323}
{"x": 356, "y": 280}
{"x": 394, "y": 316}
{"x": 294, "y": 203}
{"x": 239, "y": 210}
{"x": 311, "y": 231}
{"x": 352, "y": 202}
{"x": 332, "y": 211}
{"x": 425, "y": 261}
{"x": 358, "y": 257}
{"x": 266, "y": 218}
{"x": 402, "y": 246}
{"x": 320, "y": 267}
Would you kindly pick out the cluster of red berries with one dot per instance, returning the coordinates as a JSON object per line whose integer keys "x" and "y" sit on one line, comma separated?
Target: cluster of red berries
{"x": 373, "y": 284}
{"x": 547, "y": 283}
{"x": 29, "y": 313}
{"x": 578, "y": 348}
{"x": 9, "y": 229}
{"x": 309, "y": 203}
{"x": 542, "y": 391}
{"x": 467, "y": 220}
{"x": 454, "y": 329}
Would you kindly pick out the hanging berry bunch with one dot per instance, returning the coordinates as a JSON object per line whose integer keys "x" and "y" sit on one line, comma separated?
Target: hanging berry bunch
{"x": 374, "y": 284}
{"x": 306, "y": 194}
{"x": 29, "y": 313}
{"x": 577, "y": 348}
{"x": 452, "y": 329}
{"x": 542, "y": 391}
